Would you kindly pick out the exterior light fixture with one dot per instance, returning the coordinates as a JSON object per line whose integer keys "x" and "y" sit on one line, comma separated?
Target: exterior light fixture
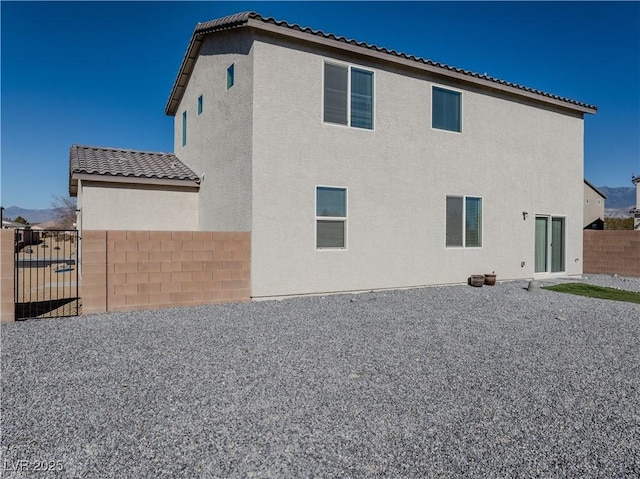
{"x": 525, "y": 215}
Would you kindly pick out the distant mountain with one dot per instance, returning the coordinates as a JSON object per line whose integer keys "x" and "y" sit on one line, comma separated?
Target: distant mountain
{"x": 620, "y": 200}
{"x": 32, "y": 216}
{"x": 619, "y": 197}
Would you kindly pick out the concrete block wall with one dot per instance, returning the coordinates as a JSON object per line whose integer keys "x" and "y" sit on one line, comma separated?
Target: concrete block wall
{"x": 7, "y": 276}
{"x": 129, "y": 270}
{"x": 93, "y": 267}
{"x": 612, "y": 252}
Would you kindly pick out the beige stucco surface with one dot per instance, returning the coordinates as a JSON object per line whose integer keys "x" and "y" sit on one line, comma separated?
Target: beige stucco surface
{"x": 593, "y": 205}
{"x": 136, "y": 207}
{"x": 517, "y": 157}
{"x": 263, "y": 148}
{"x": 219, "y": 142}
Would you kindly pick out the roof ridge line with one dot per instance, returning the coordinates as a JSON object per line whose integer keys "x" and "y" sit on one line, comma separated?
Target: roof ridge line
{"x": 241, "y": 19}
{"x": 370, "y": 46}
{"x": 109, "y": 148}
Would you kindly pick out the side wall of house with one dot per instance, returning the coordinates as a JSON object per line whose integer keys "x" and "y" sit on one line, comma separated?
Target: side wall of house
{"x": 218, "y": 140}
{"x": 592, "y": 210}
{"x": 136, "y": 207}
{"x": 636, "y": 216}
{"x": 516, "y": 156}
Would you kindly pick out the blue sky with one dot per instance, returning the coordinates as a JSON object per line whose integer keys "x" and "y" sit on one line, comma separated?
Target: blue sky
{"x": 100, "y": 74}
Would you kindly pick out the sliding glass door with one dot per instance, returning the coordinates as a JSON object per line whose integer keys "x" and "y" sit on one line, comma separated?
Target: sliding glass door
{"x": 557, "y": 245}
{"x": 542, "y": 243}
{"x": 550, "y": 244}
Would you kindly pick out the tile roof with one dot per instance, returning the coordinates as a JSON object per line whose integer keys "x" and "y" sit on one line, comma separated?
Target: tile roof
{"x": 128, "y": 164}
{"x": 256, "y": 20}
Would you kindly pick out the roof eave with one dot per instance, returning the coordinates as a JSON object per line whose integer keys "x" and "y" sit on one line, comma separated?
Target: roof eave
{"x": 353, "y": 47}
{"x": 595, "y": 189}
{"x": 413, "y": 63}
{"x": 140, "y": 180}
{"x": 186, "y": 68}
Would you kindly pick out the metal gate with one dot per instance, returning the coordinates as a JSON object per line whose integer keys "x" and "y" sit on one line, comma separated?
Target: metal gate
{"x": 46, "y": 273}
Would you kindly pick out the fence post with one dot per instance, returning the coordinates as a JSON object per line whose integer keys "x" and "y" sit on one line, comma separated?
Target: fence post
{"x": 7, "y": 278}
{"x": 93, "y": 288}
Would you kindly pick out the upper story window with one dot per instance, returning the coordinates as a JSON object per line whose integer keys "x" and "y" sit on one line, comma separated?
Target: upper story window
{"x": 331, "y": 217}
{"x": 230, "y": 76}
{"x": 464, "y": 221}
{"x": 199, "y": 104}
{"x": 348, "y": 96}
{"x": 446, "y": 109}
{"x": 184, "y": 128}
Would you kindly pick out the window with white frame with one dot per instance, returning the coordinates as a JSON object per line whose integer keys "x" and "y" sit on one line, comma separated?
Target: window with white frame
{"x": 446, "y": 109}
{"x": 464, "y": 221}
{"x": 331, "y": 217}
{"x": 348, "y": 96}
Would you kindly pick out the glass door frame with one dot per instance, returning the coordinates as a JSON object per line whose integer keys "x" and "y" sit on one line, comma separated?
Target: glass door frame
{"x": 549, "y": 245}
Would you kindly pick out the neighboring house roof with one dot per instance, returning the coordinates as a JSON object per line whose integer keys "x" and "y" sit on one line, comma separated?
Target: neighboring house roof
{"x": 47, "y": 225}
{"x": 12, "y": 224}
{"x": 127, "y": 166}
{"x": 255, "y": 20}
{"x": 595, "y": 189}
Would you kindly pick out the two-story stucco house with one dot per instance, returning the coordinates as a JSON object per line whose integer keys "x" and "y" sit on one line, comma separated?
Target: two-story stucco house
{"x": 356, "y": 168}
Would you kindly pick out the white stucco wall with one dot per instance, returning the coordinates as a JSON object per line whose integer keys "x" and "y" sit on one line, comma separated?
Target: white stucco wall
{"x": 136, "y": 207}
{"x": 517, "y": 157}
{"x": 219, "y": 139}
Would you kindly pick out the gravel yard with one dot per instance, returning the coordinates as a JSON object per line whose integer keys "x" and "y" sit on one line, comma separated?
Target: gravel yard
{"x": 435, "y": 382}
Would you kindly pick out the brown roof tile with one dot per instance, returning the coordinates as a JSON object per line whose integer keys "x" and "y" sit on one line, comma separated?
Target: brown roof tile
{"x": 242, "y": 19}
{"x": 128, "y": 163}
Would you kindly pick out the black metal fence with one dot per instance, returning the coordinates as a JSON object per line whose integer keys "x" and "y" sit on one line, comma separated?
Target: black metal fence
{"x": 46, "y": 273}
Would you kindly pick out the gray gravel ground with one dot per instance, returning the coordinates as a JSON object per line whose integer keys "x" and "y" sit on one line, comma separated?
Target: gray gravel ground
{"x": 629, "y": 284}
{"x": 435, "y": 382}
